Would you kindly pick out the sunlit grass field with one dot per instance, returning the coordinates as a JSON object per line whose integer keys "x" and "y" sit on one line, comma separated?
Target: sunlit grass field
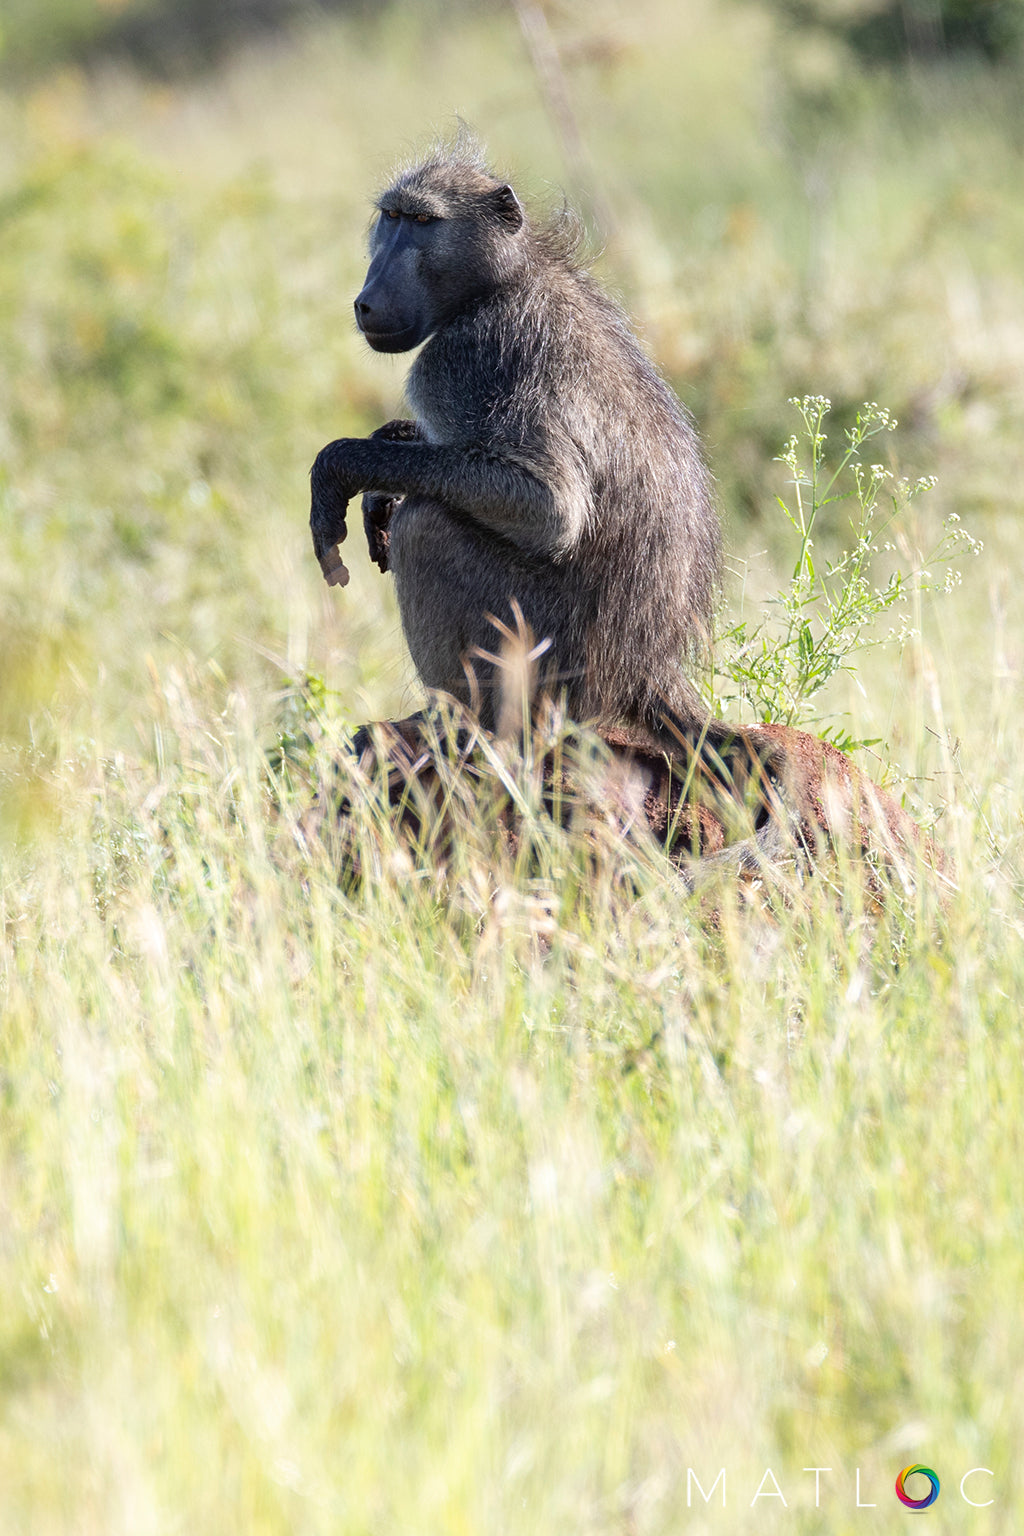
{"x": 499, "y": 1198}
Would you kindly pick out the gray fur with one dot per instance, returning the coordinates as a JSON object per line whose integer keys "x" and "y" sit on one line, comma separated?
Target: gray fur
{"x": 548, "y": 465}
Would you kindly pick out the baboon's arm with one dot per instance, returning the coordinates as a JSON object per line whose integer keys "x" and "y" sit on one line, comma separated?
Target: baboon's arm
{"x": 494, "y": 490}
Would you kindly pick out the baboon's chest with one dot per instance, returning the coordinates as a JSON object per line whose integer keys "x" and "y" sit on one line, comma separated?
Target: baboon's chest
{"x": 456, "y": 392}
{"x": 439, "y": 407}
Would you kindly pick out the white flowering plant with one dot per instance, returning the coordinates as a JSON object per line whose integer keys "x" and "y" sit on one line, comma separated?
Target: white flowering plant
{"x": 811, "y": 629}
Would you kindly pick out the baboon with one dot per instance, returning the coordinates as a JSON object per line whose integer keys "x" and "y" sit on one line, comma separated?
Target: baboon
{"x": 551, "y": 484}
{"x": 549, "y": 466}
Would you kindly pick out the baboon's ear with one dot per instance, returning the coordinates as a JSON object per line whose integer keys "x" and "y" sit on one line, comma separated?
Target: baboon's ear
{"x": 507, "y": 207}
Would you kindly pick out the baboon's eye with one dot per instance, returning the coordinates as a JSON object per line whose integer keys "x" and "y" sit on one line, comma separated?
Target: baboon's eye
{"x": 391, "y": 213}
{"x": 424, "y": 218}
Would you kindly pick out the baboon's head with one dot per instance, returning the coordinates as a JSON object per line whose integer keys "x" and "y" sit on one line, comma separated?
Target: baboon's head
{"x": 446, "y": 234}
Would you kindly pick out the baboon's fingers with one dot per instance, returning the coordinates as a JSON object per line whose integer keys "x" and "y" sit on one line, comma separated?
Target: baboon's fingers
{"x": 328, "y": 506}
{"x": 379, "y": 551}
{"x": 399, "y": 431}
{"x": 328, "y": 528}
{"x": 334, "y": 569}
{"x": 378, "y": 507}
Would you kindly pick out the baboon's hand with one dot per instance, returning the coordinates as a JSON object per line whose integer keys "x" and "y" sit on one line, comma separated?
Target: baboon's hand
{"x": 378, "y": 507}
{"x": 332, "y": 490}
{"x": 398, "y": 431}
{"x": 335, "y": 480}
{"x": 327, "y": 525}
{"x": 336, "y": 572}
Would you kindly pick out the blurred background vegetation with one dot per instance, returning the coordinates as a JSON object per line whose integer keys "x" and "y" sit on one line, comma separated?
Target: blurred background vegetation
{"x": 805, "y": 195}
{"x": 169, "y": 36}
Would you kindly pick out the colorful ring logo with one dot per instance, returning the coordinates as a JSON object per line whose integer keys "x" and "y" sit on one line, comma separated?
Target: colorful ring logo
{"x": 905, "y": 1498}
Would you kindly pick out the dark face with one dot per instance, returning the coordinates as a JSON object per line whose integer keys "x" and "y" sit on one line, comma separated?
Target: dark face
{"x": 431, "y": 257}
{"x": 394, "y": 311}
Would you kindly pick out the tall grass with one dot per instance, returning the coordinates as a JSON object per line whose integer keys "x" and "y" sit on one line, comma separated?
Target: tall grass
{"x": 494, "y": 1204}
{"x": 492, "y": 1199}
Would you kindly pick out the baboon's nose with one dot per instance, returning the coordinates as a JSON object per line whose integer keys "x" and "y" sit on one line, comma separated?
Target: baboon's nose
{"x": 365, "y": 313}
